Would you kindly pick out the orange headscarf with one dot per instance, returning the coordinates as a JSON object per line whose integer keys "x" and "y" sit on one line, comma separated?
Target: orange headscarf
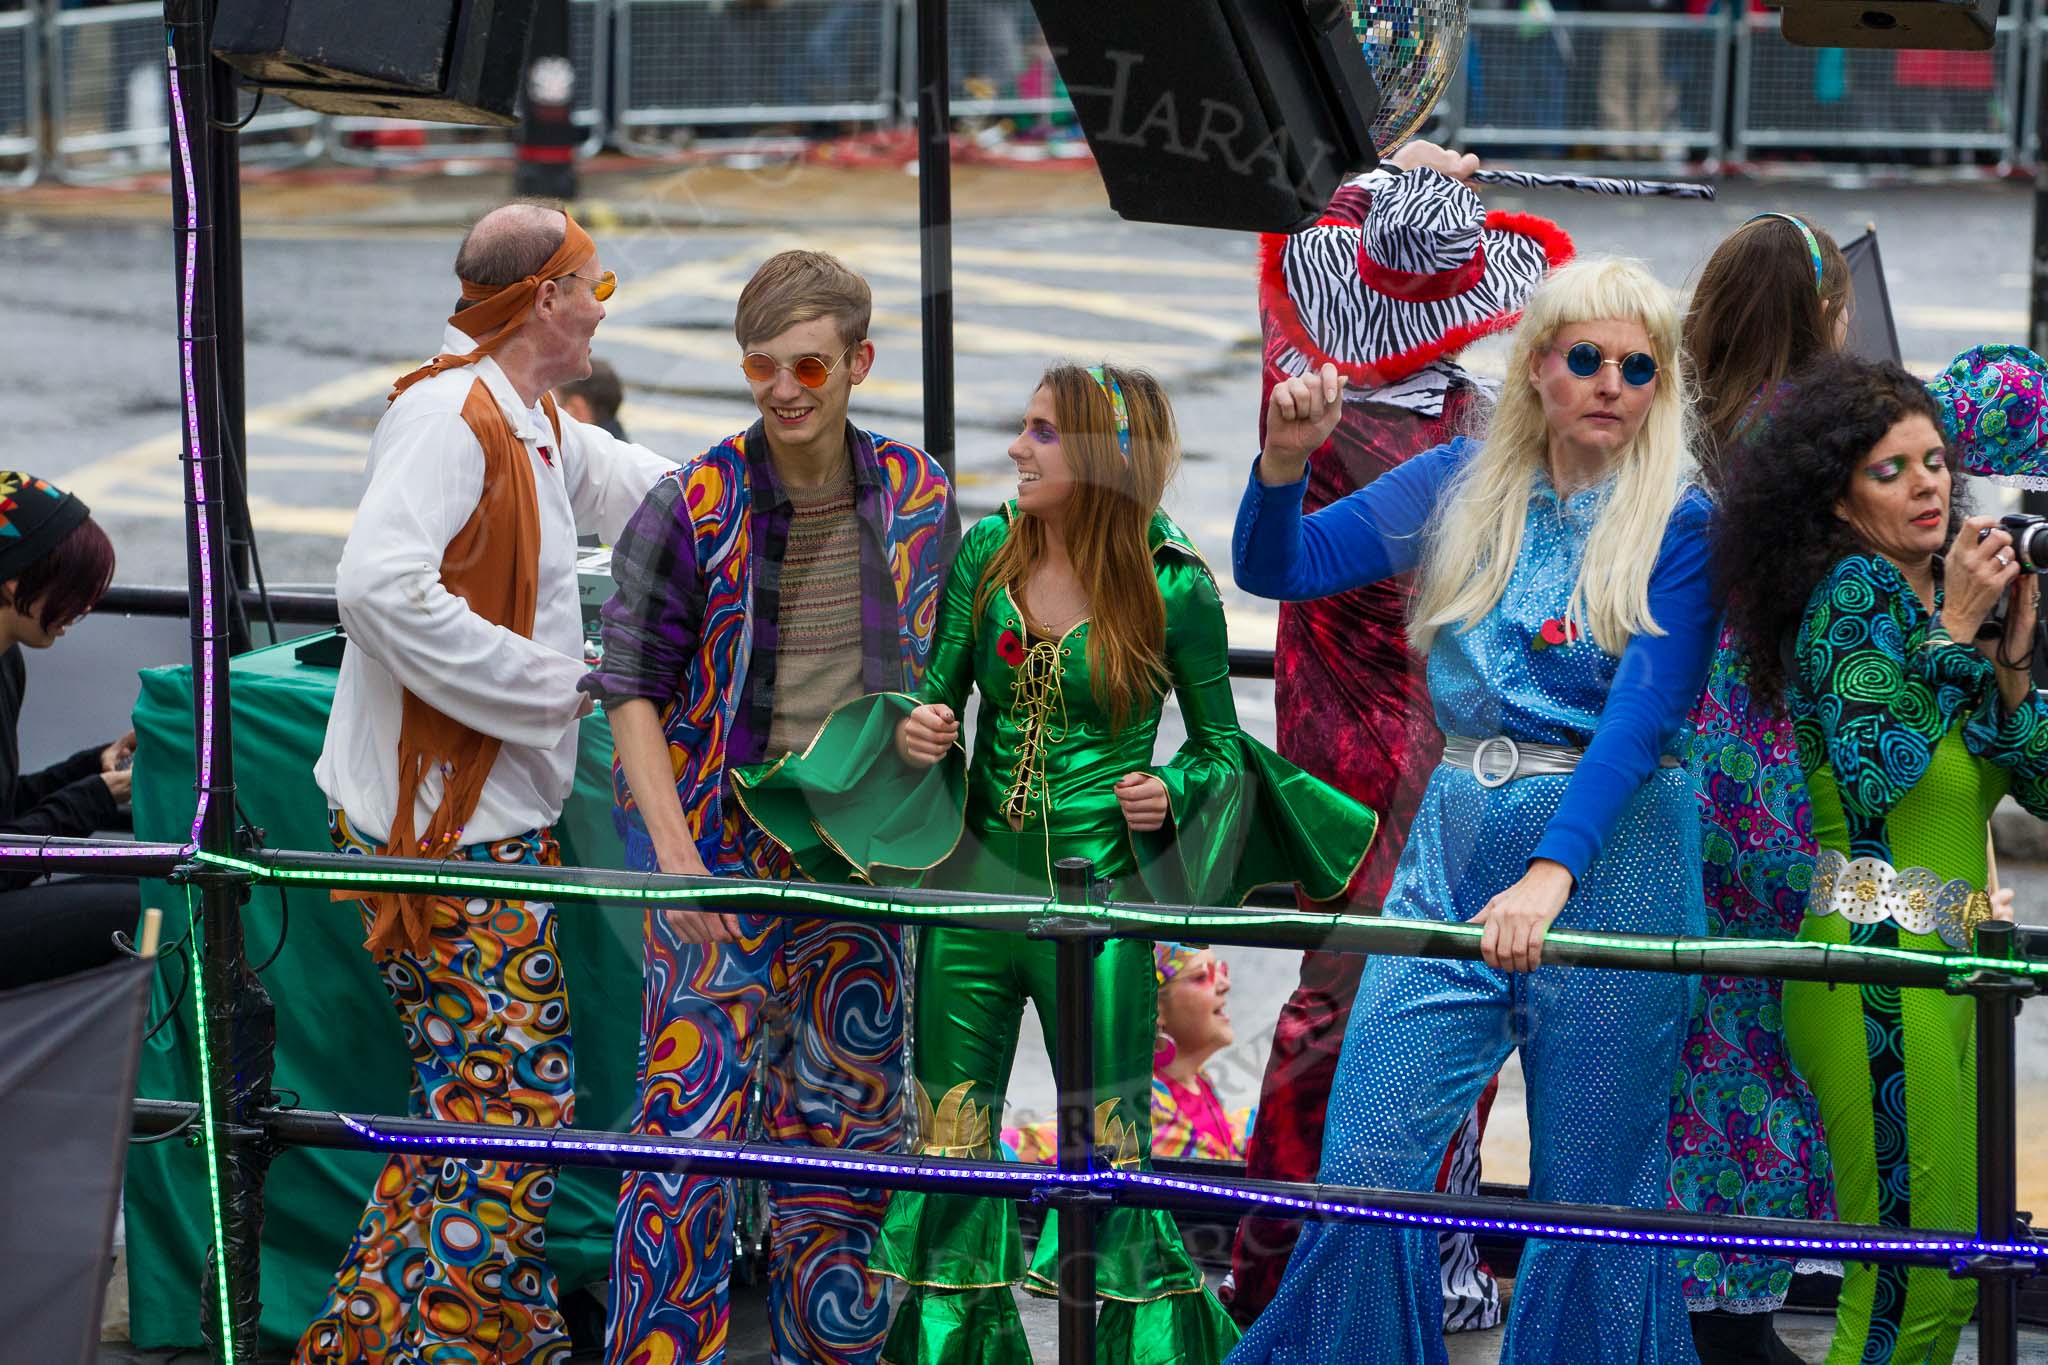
{"x": 494, "y": 306}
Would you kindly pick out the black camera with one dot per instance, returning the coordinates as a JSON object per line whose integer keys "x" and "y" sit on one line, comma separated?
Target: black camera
{"x": 2029, "y": 540}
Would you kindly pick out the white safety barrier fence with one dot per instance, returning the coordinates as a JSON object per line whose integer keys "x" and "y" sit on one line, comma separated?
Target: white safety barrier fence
{"x": 682, "y": 65}
{"x": 107, "y": 98}
{"x": 1801, "y": 98}
{"x": 21, "y": 99}
{"x": 1629, "y": 86}
{"x": 387, "y": 142}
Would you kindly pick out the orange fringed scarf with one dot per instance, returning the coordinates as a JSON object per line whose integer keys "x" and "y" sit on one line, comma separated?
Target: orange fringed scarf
{"x": 493, "y": 564}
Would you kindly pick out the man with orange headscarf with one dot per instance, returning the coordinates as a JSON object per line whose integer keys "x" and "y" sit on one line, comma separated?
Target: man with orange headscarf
{"x": 453, "y": 735}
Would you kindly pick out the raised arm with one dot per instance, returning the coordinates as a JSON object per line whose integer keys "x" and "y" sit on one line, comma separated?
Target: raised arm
{"x": 1361, "y": 538}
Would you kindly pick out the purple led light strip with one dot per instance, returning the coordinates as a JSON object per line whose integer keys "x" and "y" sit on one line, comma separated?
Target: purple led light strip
{"x": 198, "y": 473}
{"x": 103, "y": 851}
{"x": 539, "y": 1143}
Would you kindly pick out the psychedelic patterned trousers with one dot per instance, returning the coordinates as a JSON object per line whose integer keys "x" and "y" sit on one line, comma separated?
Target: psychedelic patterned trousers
{"x": 826, "y": 997}
{"x": 449, "y": 1264}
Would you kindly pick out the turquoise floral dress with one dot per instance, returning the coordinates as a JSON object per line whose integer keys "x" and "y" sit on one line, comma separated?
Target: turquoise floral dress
{"x": 1745, "y": 1130}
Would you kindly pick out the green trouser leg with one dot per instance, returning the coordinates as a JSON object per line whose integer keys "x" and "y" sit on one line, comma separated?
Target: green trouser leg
{"x": 1923, "y": 1043}
{"x": 1156, "y": 1309}
{"x": 960, "y": 1254}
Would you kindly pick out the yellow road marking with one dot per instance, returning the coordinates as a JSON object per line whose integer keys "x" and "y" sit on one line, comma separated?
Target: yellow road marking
{"x": 1036, "y": 294}
{"x": 2009, "y": 324}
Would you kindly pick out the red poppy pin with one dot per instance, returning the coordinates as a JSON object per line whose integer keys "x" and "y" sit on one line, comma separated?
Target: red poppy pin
{"x": 1010, "y": 648}
{"x": 1553, "y": 633}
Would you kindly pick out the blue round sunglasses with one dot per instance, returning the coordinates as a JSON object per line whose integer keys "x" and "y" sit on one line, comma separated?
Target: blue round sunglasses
{"x": 1585, "y": 360}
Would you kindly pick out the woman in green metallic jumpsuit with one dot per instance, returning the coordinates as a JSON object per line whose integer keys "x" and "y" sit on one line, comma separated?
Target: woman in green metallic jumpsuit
{"x": 1072, "y": 611}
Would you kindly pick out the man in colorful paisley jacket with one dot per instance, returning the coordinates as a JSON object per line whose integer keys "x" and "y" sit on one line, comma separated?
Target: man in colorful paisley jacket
{"x": 786, "y": 570}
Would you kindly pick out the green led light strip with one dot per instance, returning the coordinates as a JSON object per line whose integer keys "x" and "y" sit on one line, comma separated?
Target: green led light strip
{"x": 1667, "y": 948}
{"x": 226, "y": 1335}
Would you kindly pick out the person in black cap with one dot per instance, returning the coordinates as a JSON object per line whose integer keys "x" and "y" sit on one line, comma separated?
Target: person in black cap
{"x": 55, "y": 564}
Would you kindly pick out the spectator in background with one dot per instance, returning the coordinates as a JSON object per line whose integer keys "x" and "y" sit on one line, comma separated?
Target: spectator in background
{"x": 594, "y": 401}
{"x": 55, "y": 563}
{"x": 1634, "y": 96}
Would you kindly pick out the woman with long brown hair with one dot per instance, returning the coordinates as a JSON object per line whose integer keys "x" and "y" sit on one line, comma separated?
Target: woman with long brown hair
{"x": 1745, "y": 1131}
{"x": 1774, "y": 297}
{"x": 1073, "y": 610}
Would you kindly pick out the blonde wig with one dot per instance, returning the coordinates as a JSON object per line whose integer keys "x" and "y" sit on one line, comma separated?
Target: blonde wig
{"x": 1476, "y": 535}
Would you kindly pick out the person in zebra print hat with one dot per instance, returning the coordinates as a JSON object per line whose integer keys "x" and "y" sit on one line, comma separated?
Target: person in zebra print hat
{"x": 1405, "y": 269}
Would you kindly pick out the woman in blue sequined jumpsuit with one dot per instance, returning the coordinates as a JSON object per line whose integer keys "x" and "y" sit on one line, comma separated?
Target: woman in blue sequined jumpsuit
{"x": 1564, "y": 602}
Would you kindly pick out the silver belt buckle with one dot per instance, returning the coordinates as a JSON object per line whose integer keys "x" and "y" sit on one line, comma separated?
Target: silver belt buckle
{"x": 1495, "y": 767}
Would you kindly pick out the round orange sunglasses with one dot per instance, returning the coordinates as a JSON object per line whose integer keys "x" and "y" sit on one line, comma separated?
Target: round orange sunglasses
{"x": 811, "y": 371}
{"x": 601, "y": 286}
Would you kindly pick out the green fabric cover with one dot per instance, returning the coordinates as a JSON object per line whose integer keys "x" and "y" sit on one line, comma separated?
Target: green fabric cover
{"x": 338, "y": 1041}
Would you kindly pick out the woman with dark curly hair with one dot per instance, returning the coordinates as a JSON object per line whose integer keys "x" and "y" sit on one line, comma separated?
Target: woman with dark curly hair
{"x": 1745, "y": 1131}
{"x": 1831, "y": 553}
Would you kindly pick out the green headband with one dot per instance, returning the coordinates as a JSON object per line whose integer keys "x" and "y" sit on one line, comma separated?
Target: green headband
{"x": 1812, "y": 243}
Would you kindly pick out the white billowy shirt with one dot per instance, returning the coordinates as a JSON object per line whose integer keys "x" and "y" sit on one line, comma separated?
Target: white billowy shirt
{"x": 407, "y": 632}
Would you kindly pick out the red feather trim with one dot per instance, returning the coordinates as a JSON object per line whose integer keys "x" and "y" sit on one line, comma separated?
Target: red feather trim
{"x": 1273, "y": 297}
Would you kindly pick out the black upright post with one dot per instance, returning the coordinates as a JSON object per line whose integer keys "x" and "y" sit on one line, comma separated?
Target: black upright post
{"x": 1998, "y": 1326}
{"x": 1074, "y": 1077}
{"x": 2037, "y": 293}
{"x": 239, "y": 1023}
{"x": 224, "y": 202}
{"x": 547, "y": 129}
{"x": 935, "y": 226}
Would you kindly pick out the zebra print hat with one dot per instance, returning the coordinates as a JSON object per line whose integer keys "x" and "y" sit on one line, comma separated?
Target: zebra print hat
{"x": 1415, "y": 272}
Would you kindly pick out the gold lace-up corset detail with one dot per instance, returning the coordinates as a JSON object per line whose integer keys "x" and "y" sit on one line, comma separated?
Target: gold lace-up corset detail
{"x": 1036, "y": 700}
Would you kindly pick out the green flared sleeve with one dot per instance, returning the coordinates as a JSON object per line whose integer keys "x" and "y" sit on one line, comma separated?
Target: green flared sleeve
{"x": 1243, "y": 816}
{"x": 848, "y": 808}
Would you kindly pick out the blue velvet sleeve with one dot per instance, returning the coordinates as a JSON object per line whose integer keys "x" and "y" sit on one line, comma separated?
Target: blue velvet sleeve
{"x": 1372, "y": 534}
{"x": 1659, "y": 680}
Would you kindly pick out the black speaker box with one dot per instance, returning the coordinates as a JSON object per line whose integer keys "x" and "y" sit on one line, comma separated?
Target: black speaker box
{"x": 1969, "y": 25}
{"x": 1243, "y": 114}
{"x": 449, "y": 61}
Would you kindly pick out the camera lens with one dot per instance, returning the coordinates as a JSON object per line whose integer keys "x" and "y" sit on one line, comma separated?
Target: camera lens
{"x": 2029, "y": 540}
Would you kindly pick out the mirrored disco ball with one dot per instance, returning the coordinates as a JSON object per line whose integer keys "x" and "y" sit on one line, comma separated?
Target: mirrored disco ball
{"x": 1413, "y": 47}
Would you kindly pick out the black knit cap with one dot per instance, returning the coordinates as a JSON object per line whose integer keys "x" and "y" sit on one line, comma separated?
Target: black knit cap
{"x": 35, "y": 516}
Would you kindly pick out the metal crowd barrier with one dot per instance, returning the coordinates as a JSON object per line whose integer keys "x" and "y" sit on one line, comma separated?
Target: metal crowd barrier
{"x": 998, "y": 59}
{"x": 2032, "y": 67}
{"x": 679, "y": 65}
{"x": 1799, "y": 97}
{"x": 361, "y": 141}
{"x": 106, "y": 91}
{"x": 81, "y": 95}
{"x": 242, "y": 1122}
{"x": 1639, "y": 86}
{"x": 21, "y": 99}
